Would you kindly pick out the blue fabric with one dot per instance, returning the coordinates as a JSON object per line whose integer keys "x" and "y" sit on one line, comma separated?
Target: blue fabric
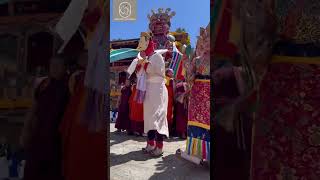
{"x": 297, "y": 50}
{"x": 200, "y": 133}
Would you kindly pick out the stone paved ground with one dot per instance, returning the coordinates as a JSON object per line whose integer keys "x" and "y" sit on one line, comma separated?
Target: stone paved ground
{"x": 127, "y": 162}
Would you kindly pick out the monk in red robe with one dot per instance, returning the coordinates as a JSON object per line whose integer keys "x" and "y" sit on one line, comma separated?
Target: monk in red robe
{"x": 136, "y": 111}
{"x": 40, "y": 137}
{"x": 170, "y": 88}
{"x": 123, "y": 120}
{"x": 84, "y": 155}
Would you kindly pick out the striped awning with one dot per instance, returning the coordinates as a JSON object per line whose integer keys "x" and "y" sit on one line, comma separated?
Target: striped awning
{"x": 123, "y": 53}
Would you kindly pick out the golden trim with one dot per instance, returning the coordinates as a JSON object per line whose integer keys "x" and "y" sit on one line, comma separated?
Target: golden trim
{"x": 295, "y": 60}
{"x": 12, "y": 104}
{"x": 202, "y": 80}
{"x": 201, "y": 125}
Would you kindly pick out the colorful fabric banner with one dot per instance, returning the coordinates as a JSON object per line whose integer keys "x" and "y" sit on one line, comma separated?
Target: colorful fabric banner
{"x": 176, "y": 64}
{"x": 198, "y": 142}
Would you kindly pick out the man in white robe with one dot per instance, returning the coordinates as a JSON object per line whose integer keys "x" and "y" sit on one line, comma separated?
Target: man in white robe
{"x": 156, "y": 98}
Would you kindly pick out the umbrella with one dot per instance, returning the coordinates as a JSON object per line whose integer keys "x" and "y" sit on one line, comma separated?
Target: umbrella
{"x": 123, "y": 53}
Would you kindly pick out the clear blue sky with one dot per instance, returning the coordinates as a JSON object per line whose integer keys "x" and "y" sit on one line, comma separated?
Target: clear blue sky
{"x": 190, "y": 14}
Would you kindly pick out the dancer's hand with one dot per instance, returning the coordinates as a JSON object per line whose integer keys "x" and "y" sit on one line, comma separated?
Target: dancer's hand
{"x": 140, "y": 61}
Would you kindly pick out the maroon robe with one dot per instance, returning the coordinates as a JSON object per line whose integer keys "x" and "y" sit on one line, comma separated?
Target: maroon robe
{"x": 43, "y": 154}
{"x": 123, "y": 120}
{"x": 230, "y": 152}
{"x": 181, "y": 114}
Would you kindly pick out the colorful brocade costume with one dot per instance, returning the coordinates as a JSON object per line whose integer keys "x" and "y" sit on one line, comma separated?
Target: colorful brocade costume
{"x": 198, "y": 133}
{"x": 286, "y": 139}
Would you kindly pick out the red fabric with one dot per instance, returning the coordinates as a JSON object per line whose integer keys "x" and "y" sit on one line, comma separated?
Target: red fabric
{"x": 168, "y": 55}
{"x": 159, "y": 144}
{"x": 181, "y": 119}
{"x": 180, "y": 75}
{"x": 84, "y": 155}
{"x": 287, "y": 128}
{"x": 138, "y": 67}
{"x": 151, "y": 142}
{"x": 170, "y": 102}
{"x": 146, "y": 66}
{"x": 136, "y": 109}
{"x": 43, "y": 148}
{"x": 223, "y": 45}
{"x": 91, "y": 18}
{"x": 150, "y": 49}
{"x": 137, "y": 126}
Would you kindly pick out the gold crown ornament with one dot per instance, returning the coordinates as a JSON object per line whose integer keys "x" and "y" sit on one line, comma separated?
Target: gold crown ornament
{"x": 161, "y": 15}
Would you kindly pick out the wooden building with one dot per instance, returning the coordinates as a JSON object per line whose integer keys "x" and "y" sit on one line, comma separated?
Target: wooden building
{"x": 118, "y": 69}
{"x": 26, "y": 45}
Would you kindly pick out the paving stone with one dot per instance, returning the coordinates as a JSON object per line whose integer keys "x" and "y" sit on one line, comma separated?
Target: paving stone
{"x": 127, "y": 162}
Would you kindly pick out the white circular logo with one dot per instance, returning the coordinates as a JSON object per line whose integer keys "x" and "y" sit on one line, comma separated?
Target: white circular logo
{"x": 125, "y": 9}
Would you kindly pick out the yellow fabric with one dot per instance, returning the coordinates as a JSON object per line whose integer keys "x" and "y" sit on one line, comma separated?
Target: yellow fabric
{"x": 194, "y": 143}
{"x": 167, "y": 80}
{"x": 295, "y": 60}
{"x": 197, "y": 124}
{"x": 19, "y": 103}
{"x": 202, "y": 80}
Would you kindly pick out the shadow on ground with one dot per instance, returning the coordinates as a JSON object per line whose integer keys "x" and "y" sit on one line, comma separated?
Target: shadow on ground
{"x": 173, "y": 166}
{"x": 117, "y": 159}
{"x": 118, "y": 138}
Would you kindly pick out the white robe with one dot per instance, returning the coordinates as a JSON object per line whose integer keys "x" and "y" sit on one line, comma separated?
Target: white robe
{"x": 156, "y": 100}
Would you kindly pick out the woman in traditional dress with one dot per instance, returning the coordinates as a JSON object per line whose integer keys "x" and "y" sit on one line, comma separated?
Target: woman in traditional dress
{"x": 180, "y": 110}
{"x": 83, "y": 151}
{"x": 41, "y": 138}
{"x": 136, "y": 110}
{"x": 123, "y": 120}
{"x": 170, "y": 88}
{"x": 286, "y": 131}
{"x": 198, "y": 78}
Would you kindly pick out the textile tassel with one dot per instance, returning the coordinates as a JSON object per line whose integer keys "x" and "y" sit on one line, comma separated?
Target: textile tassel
{"x": 208, "y": 150}
{"x": 199, "y": 147}
{"x": 204, "y": 152}
{"x": 194, "y": 149}
{"x": 187, "y": 145}
{"x": 190, "y": 146}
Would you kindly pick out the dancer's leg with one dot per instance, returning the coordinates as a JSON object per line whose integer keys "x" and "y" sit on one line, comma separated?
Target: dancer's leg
{"x": 159, "y": 145}
{"x": 151, "y": 145}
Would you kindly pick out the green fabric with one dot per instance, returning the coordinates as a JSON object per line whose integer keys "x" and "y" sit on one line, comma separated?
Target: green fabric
{"x": 124, "y": 53}
{"x": 199, "y": 147}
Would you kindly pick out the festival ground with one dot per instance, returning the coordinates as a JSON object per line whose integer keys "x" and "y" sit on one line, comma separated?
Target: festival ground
{"x": 129, "y": 163}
